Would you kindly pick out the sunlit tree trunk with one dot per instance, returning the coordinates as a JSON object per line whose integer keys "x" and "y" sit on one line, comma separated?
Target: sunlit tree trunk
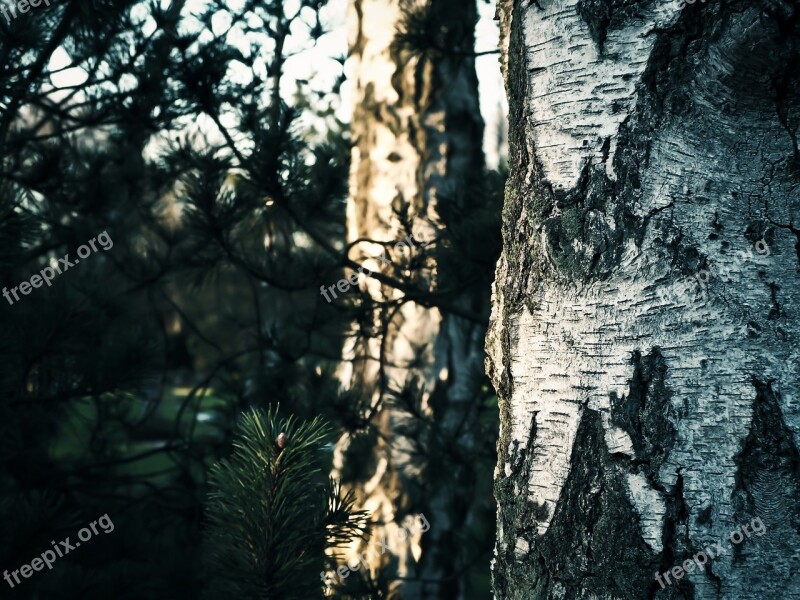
{"x": 644, "y": 337}
{"x": 417, "y": 134}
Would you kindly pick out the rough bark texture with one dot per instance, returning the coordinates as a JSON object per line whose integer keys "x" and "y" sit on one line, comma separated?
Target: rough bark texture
{"x": 646, "y": 358}
{"x": 417, "y": 134}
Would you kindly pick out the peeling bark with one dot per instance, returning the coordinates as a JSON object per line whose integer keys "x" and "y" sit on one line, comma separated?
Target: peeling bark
{"x": 644, "y": 354}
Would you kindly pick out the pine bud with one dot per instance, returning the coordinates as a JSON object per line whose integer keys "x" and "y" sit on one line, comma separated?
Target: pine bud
{"x": 282, "y": 441}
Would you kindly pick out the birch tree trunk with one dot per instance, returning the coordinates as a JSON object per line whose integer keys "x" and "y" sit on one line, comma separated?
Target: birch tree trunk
{"x": 417, "y": 135}
{"x": 644, "y": 335}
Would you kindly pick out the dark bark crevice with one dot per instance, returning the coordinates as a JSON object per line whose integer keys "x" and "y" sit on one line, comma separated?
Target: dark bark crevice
{"x": 796, "y": 233}
{"x": 602, "y": 15}
{"x": 768, "y": 453}
{"x": 775, "y": 309}
{"x": 767, "y": 488}
{"x": 645, "y": 414}
{"x": 582, "y": 545}
{"x": 676, "y": 543}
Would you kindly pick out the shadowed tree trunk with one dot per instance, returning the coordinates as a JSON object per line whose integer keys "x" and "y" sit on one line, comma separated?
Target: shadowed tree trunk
{"x": 644, "y": 336}
{"x": 417, "y": 134}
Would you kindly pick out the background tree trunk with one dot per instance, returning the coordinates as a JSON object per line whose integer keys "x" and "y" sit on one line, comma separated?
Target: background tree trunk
{"x": 417, "y": 135}
{"x": 644, "y": 337}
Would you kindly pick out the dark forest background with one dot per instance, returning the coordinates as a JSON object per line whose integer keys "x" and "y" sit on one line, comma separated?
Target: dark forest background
{"x": 123, "y": 383}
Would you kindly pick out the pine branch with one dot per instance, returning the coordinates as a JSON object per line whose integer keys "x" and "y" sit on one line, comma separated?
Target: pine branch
{"x": 273, "y": 512}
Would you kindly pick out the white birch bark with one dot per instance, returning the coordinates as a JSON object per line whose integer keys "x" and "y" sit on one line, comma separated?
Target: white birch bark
{"x": 644, "y": 336}
{"x": 417, "y": 134}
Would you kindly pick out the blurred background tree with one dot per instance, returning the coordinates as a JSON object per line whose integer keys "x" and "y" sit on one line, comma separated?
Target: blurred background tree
{"x": 425, "y": 434}
{"x": 222, "y": 182}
